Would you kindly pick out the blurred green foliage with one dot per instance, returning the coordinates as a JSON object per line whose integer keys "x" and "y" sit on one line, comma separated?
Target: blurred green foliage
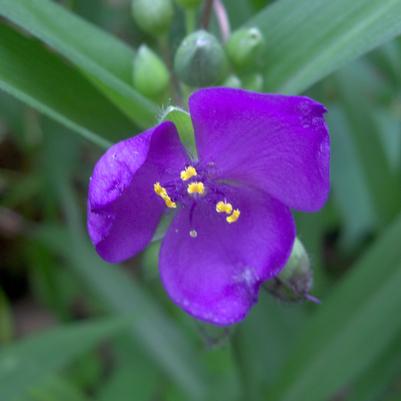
{"x": 73, "y": 327}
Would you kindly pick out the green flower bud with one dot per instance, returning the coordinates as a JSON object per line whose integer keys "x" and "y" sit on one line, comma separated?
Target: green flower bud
{"x": 244, "y": 49}
{"x": 189, "y": 3}
{"x": 200, "y": 60}
{"x": 253, "y": 82}
{"x": 153, "y": 16}
{"x": 150, "y": 74}
{"x": 232, "y": 81}
{"x": 296, "y": 279}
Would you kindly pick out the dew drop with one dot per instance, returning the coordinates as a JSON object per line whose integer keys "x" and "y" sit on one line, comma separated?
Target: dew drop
{"x": 193, "y": 233}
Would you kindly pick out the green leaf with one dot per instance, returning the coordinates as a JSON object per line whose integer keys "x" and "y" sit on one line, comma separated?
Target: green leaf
{"x": 57, "y": 388}
{"x": 105, "y": 60}
{"x": 121, "y": 383}
{"x": 376, "y": 380}
{"x": 309, "y": 39}
{"x": 6, "y": 319}
{"x": 382, "y": 181}
{"x": 30, "y": 362}
{"x": 120, "y": 293}
{"x": 349, "y": 184}
{"x": 351, "y": 329}
{"x": 36, "y": 76}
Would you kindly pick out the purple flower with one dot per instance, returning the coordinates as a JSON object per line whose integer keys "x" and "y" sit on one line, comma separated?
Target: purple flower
{"x": 259, "y": 156}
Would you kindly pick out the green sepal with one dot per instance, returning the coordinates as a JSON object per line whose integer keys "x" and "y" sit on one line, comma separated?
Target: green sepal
{"x": 182, "y": 121}
{"x": 296, "y": 278}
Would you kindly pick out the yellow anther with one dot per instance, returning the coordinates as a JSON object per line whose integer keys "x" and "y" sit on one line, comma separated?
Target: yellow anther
{"x": 169, "y": 203}
{"x": 188, "y": 173}
{"x": 196, "y": 188}
{"x": 224, "y": 207}
{"x": 234, "y": 216}
{"x": 159, "y": 190}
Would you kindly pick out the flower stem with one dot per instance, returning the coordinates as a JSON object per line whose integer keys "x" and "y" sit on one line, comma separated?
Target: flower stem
{"x": 165, "y": 50}
{"x": 207, "y": 12}
{"x": 190, "y": 20}
{"x": 222, "y": 19}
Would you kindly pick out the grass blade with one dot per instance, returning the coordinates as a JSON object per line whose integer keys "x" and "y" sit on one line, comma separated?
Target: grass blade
{"x": 309, "y": 39}
{"x": 359, "y": 318}
{"x": 161, "y": 339}
{"x": 104, "y": 59}
{"x": 36, "y": 76}
{"x": 30, "y": 362}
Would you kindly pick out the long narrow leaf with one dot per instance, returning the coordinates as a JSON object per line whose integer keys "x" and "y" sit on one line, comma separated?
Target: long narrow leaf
{"x": 36, "y": 76}
{"x": 30, "y": 362}
{"x": 308, "y": 39}
{"x": 164, "y": 342}
{"x": 105, "y": 59}
{"x": 351, "y": 329}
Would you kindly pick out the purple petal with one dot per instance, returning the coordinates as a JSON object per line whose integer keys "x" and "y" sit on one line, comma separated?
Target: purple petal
{"x": 123, "y": 210}
{"x": 275, "y": 142}
{"x": 212, "y": 269}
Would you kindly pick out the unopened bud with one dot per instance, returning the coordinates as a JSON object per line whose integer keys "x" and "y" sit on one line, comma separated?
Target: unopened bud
{"x": 296, "y": 279}
{"x": 253, "y": 82}
{"x": 200, "y": 60}
{"x": 150, "y": 74}
{"x": 244, "y": 49}
{"x": 232, "y": 81}
{"x": 154, "y": 16}
{"x": 189, "y": 3}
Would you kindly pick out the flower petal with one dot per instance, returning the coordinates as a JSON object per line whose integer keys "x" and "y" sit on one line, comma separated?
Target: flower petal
{"x": 275, "y": 142}
{"x": 212, "y": 269}
{"x": 123, "y": 210}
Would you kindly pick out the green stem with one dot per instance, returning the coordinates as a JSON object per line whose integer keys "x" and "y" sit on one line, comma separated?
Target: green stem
{"x": 207, "y": 12}
{"x": 190, "y": 20}
{"x": 168, "y": 58}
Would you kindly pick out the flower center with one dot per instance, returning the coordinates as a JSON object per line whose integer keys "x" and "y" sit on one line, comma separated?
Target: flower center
{"x": 194, "y": 188}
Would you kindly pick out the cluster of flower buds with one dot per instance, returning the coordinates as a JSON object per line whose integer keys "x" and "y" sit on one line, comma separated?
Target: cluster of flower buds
{"x": 201, "y": 59}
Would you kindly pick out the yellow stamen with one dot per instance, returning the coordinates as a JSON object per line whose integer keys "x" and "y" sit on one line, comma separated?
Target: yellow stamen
{"x": 234, "y": 216}
{"x": 188, "y": 173}
{"x": 159, "y": 190}
{"x": 196, "y": 188}
{"x": 224, "y": 207}
{"x": 169, "y": 203}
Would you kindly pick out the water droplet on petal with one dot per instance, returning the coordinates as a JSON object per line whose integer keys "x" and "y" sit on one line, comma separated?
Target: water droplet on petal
{"x": 193, "y": 233}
